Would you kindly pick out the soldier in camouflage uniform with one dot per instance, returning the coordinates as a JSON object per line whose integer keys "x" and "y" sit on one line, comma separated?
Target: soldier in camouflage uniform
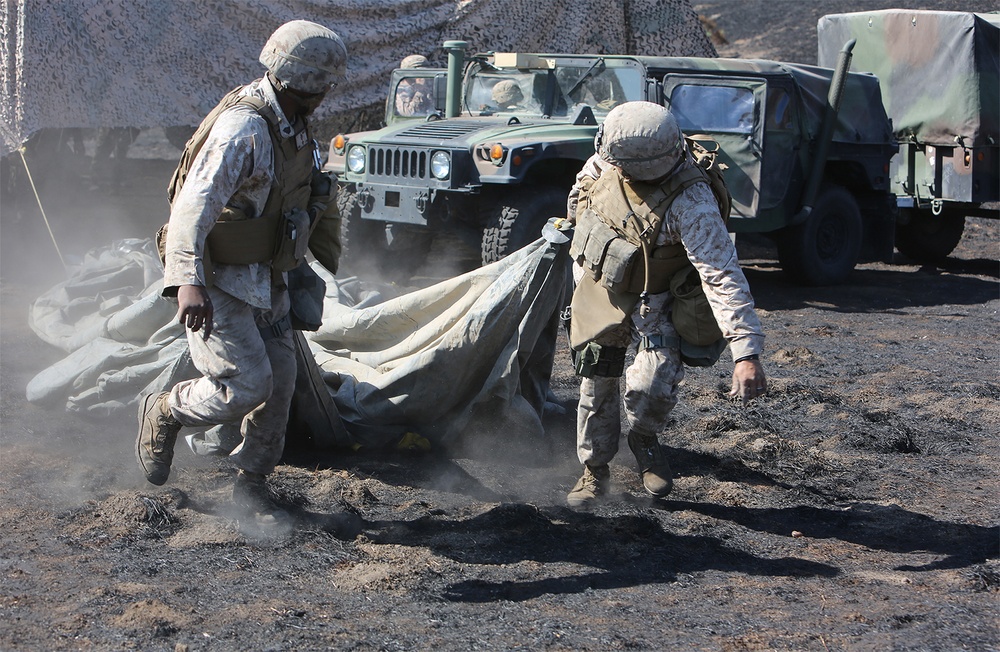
{"x": 238, "y": 325}
{"x": 415, "y": 96}
{"x": 643, "y": 141}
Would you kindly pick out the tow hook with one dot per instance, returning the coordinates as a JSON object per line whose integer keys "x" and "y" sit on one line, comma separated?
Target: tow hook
{"x": 421, "y": 201}
{"x": 365, "y": 199}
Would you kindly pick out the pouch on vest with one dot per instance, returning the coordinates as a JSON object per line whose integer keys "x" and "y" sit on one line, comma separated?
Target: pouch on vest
{"x": 691, "y": 314}
{"x": 701, "y": 340}
{"x": 292, "y": 241}
{"x": 605, "y": 255}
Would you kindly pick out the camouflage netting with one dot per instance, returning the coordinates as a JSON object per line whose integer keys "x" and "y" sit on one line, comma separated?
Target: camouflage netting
{"x": 147, "y": 63}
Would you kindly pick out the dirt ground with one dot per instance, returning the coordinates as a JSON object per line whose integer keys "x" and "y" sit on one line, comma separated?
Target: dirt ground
{"x": 852, "y": 508}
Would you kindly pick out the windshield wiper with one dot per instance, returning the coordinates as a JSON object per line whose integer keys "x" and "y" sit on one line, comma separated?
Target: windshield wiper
{"x": 595, "y": 68}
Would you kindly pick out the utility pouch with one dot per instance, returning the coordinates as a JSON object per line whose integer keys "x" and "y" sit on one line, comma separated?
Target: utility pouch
{"x": 292, "y": 241}
{"x": 161, "y": 244}
{"x": 691, "y": 313}
{"x": 596, "y": 361}
{"x": 608, "y": 257}
{"x": 701, "y": 339}
{"x": 623, "y": 267}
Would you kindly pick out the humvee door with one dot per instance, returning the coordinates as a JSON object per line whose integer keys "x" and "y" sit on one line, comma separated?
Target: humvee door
{"x": 729, "y": 111}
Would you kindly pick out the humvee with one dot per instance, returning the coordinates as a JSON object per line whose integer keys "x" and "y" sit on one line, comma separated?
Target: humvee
{"x": 807, "y": 151}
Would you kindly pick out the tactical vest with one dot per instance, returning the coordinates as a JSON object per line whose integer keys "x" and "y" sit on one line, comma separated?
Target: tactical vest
{"x": 615, "y": 242}
{"x": 616, "y": 231}
{"x": 241, "y": 239}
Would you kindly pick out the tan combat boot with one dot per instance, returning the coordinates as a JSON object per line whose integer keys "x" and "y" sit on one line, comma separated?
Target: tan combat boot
{"x": 154, "y": 447}
{"x": 653, "y": 467}
{"x": 592, "y": 485}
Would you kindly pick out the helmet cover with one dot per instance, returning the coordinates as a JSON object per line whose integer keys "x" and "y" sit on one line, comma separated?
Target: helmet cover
{"x": 642, "y": 139}
{"x": 305, "y": 56}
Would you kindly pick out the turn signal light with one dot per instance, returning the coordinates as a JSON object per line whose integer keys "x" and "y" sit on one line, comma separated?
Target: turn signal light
{"x": 497, "y": 153}
{"x": 339, "y": 143}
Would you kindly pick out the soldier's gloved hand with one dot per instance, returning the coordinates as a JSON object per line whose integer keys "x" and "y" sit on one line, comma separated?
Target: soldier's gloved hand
{"x": 324, "y": 191}
{"x": 323, "y": 184}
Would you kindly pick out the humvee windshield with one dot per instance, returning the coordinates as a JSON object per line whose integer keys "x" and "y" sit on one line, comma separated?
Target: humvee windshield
{"x": 553, "y": 92}
{"x": 414, "y": 94}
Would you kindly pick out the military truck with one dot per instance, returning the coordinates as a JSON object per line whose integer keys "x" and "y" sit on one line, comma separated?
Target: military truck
{"x": 494, "y": 171}
{"x": 940, "y": 82}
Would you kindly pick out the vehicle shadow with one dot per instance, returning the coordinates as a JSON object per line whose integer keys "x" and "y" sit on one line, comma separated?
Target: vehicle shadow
{"x": 879, "y": 290}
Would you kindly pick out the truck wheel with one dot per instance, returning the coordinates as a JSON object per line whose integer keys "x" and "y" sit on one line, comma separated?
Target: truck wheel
{"x": 362, "y": 241}
{"x": 824, "y": 249}
{"x": 518, "y": 220}
{"x": 928, "y": 238}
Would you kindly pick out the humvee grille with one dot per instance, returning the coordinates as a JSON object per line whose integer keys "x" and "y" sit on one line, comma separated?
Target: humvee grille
{"x": 398, "y": 162}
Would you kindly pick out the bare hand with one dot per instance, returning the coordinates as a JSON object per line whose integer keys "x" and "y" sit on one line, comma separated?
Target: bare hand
{"x": 195, "y": 308}
{"x": 748, "y": 380}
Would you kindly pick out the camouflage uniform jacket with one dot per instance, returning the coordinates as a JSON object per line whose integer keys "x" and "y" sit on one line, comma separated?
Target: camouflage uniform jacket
{"x": 235, "y": 167}
{"x": 694, "y": 221}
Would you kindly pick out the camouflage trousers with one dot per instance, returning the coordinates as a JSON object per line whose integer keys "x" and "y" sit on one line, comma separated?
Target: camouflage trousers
{"x": 244, "y": 379}
{"x": 650, "y": 386}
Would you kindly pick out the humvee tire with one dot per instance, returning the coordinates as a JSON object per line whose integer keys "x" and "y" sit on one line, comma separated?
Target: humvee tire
{"x": 824, "y": 249}
{"x": 927, "y": 238}
{"x": 362, "y": 241}
{"x": 518, "y": 220}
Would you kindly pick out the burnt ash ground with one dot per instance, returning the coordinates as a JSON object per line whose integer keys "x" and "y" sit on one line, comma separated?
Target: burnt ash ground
{"x": 853, "y": 508}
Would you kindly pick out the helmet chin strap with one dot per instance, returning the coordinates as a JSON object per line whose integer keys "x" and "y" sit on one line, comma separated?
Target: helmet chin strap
{"x": 277, "y": 83}
{"x": 293, "y": 103}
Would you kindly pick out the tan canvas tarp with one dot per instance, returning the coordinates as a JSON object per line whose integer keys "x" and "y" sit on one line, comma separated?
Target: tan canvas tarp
{"x": 148, "y": 63}
{"x": 465, "y": 354}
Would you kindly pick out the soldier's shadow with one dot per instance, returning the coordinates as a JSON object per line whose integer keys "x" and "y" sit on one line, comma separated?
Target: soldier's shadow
{"x": 614, "y": 551}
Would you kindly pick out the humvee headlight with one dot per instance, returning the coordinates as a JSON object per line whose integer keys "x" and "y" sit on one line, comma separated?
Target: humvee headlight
{"x": 441, "y": 165}
{"x": 356, "y": 159}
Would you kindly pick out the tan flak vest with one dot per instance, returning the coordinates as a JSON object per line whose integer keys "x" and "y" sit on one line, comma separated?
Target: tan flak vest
{"x": 237, "y": 238}
{"x": 615, "y": 242}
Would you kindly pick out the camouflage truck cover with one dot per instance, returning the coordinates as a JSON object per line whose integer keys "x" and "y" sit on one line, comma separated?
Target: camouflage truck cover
{"x": 940, "y": 81}
{"x": 939, "y": 70}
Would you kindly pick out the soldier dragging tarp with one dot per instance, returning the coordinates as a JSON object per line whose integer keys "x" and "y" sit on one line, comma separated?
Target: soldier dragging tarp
{"x": 243, "y": 208}
{"x": 647, "y": 221}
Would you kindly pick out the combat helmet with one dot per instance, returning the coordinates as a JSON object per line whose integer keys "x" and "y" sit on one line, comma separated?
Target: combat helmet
{"x": 642, "y": 139}
{"x": 305, "y": 56}
{"x": 415, "y": 61}
{"x": 506, "y": 93}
